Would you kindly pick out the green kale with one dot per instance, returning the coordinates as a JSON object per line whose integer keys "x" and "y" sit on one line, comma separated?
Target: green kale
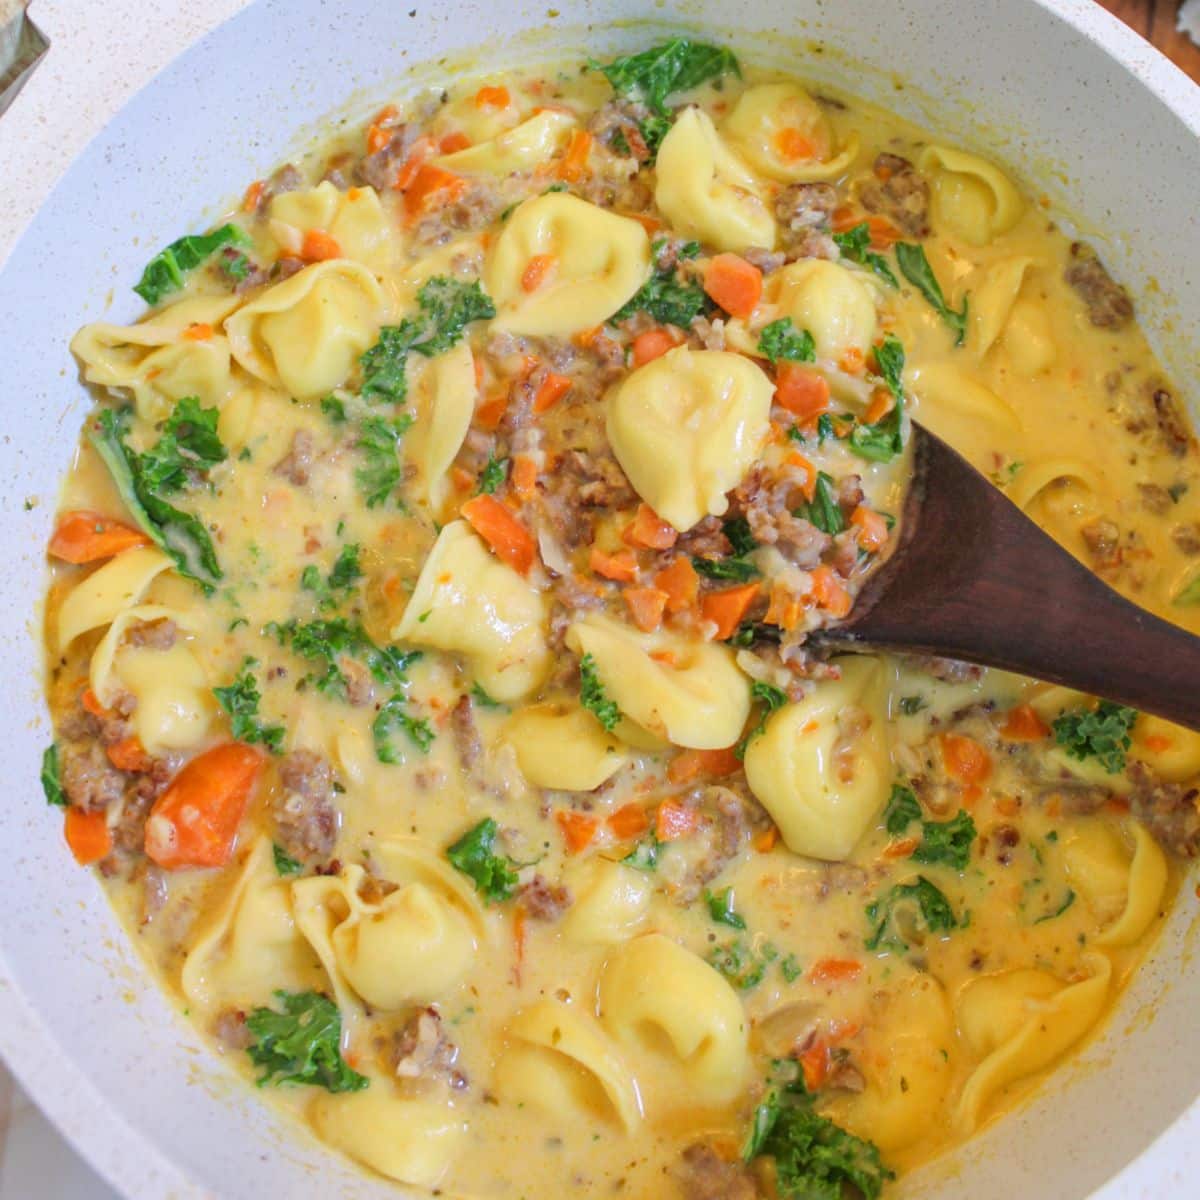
{"x": 178, "y": 534}
{"x": 823, "y": 510}
{"x": 301, "y": 1044}
{"x": 911, "y": 705}
{"x": 165, "y": 271}
{"x": 394, "y": 717}
{"x": 902, "y": 809}
{"x": 285, "y": 864}
{"x": 720, "y": 908}
{"x": 1062, "y": 908}
{"x": 240, "y": 700}
{"x": 51, "y": 779}
{"x": 644, "y": 856}
{"x": 494, "y": 875}
{"x": 772, "y": 699}
{"x": 494, "y": 473}
{"x": 654, "y": 75}
{"x": 334, "y": 409}
{"x": 328, "y": 642}
{"x": 482, "y": 698}
{"x": 668, "y": 300}
{"x": 377, "y": 442}
{"x": 947, "y": 842}
{"x": 882, "y": 441}
{"x": 1101, "y": 733}
{"x": 737, "y": 530}
{"x": 921, "y": 903}
{"x": 235, "y": 266}
{"x": 739, "y": 570}
{"x": 855, "y": 244}
{"x": 781, "y": 339}
{"x": 593, "y": 696}
{"x": 743, "y": 964}
{"x": 188, "y": 447}
{"x": 346, "y": 572}
{"x": 914, "y": 266}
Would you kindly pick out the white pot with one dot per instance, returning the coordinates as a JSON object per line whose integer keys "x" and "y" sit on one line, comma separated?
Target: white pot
{"x": 1057, "y": 88}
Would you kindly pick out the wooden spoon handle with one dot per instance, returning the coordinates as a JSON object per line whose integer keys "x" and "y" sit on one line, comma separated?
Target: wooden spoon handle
{"x": 974, "y": 579}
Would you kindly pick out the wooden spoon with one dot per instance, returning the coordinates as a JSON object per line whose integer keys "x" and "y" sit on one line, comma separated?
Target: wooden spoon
{"x": 974, "y": 579}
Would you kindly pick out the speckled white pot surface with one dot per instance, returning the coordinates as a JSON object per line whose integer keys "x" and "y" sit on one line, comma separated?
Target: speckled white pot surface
{"x": 1058, "y": 88}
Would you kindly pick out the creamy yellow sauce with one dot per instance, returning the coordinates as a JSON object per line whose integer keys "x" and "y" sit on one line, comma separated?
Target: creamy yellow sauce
{"x": 597, "y": 1046}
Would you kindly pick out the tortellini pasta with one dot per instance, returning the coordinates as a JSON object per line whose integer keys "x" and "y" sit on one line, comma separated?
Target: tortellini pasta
{"x": 562, "y": 746}
{"x": 559, "y": 1060}
{"x": 835, "y": 305}
{"x": 174, "y": 698}
{"x": 782, "y": 132}
{"x": 705, "y": 191}
{"x": 443, "y": 399}
{"x": 692, "y": 693}
{"x": 306, "y": 333}
{"x": 611, "y": 902}
{"x": 594, "y": 261}
{"x": 956, "y": 405}
{"x": 411, "y": 946}
{"x": 1035, "y": 477}
{"x": 411, "y": 1139}
{"x": 661, "y": 1002}
{"x": 178, "y": 352}
{"x": 475, "y": 121}
{"x": 1169, "y": 750}
{"x": 686, "y": 428}
{"x": 999, "y": 313}
{"x": 97, "y": 599}
{"x": 1123, "y": 889}
{"x": 972, "y": 198}
{"x": 354, "y": 219}
{"x": 469, "y": 603}
{"x": 530, "y": 144}
{"x": 101, "y": 679}
{"x": 906, "y": 1064}
{"x": 1021, "y": 1021}
{"x": 822, "y": 768}
{"x": 250, "y": 947}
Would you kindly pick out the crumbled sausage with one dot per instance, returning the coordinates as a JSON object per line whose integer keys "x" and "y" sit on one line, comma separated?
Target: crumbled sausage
{"x": 704, "y": 1175}
{"x": 381, "y": 168}
{"x": 1155, "y": 498}
{"x": 1171, "y": 811}
{"x": 156, "y": 635}
{"x": 231, "y": 1031}
{"x": 545, "y": 901}
{"x": 1108, "y": 304}
{"x": 1172, "y": 426}
{"x": 89, "y": 780}
{"x": 898, "y": 191}
{"x": 296, "y": 465}
{"x": 804, "y": 211}
{"x": 1103, "y": 540}
{"x": 421, "y": 1050}
{"x": 1187, "y": 538}
{"x": 306, "y": 817}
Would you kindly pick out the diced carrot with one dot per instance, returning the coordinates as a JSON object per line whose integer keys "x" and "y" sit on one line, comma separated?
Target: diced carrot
{"x": 550, "y": 391}
{"x": 620, "y": 567}
{"x": 681, "y": 583}
{"x": 809, "y": 487}
{"x": 198, "y": 331}
{"x": 629, "y": 821}
{"x": 652, "y": 344}
{"x": 491, "y": 412}
{"x": 578, "y": 828}
{"x": 785, "y": 608}
{"x": 586, "y": 338}
{"x": 453, "y": 142}
{"x": 318, "y": 246}
{"x": 792, "y": 146}
{"x": 84, "y": 537}
{"x": 834, "y": 970}
{"x": 803, "y": 392}
{"x": 882, "y": 403}
{"x": 253, "y": 196}
{"x": 433, "y": 186}
{"x": 646, "y": 606}
{"x": 650, "y": 224}
{"x": 536, "y": 272}
{"x": 649, "y": 531}
{"x": 764, "y": 843}
{"x": 728, "y": 607}
{"x": 665, "y": 656}
{"x": 195, "y": 821}
{"x": 519, "y": 918}
{"x": 1022, "y": 724}
{"x": 389, "y": 112}
{"x": 461, "y": 478}
{"x": 129, "y": 754}
{"x": 852, "y": 361}
{"x": 1006, "y": 806}
{"x": 901, "y": 848}
{"x": 733, "y": 283}
{"x": 574, "y": 162}
{"x": 814, "y": 1063}
{"x": 828, "y": 592}
{"x": 510, "y": 541}
{"x": 377, "y": 138}
{"x": 418, "y": 152}
{"x": 87, "y": 835}
{"x": 492, "y": 97}
{"x": 966, "y": 760}
{"x": 883, "y": 232}
{"x": 692, "y": 764}
{"x": 674, "y": 819}
{"x": 91, "y": 704}
{"x": 524, "y": 476}
{"x": 872, "y": 528}
{"x": 1156, "y": 742}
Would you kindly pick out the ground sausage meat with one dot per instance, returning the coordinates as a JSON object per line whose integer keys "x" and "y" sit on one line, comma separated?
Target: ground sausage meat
{"x": 545, "y": 901}
{"x": 421, "y": 1050}
{"x": 898, "y": 191}
{"x": 89, "y": 780}
{"x": 704, "y": 1175}
{"x": 306, "y": 817}
{"x": 296, "y": 465}
{"x": 1108, "y": 304}
{"x": 1171, "y": 811}
{"x": 1172, "y": 426}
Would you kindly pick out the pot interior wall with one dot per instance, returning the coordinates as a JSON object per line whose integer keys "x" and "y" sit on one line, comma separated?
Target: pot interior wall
{"x": 95, "y": 1041}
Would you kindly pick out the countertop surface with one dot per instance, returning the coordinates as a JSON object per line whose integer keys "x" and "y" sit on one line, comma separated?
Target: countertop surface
{"x": 90, "y": 70}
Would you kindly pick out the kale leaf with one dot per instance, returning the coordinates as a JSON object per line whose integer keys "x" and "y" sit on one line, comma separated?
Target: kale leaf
{"x": 240, "y": 700}
{"x": 654, "y": 75}
{"x": 377, "y": 441}
{"x": 189, "y": 446}
{"x": 285, "y": 864}
{"x": 494, "y": 473}
{"x": 51, "y": 778}
{"x": 720, "y": 908}
{"x": 394, "y": 717}
{"x": 823, "y": 510}
{"x": 344, "y": 574}
{"x": 914, "y": 266}
{"x": 593, "y": 696}
{"x": 301, "y": 1044}
{"x": 902, "y": 809}
{"x": 932, "y": 911}
{"x": 328, "y": 642}
{"x": 882, "y": 441}
{"x": 165, "y": 271}
{"x": 667, "y": 299}
{"x": 772, "y": 699}
{"x": 740, "y": 570}
{"x": 947, "y": 842}
{"x": 855, "y": 244}
{"x": 473, "y": 854}
{"x": 781, "y": 339}
{"x": 1101, "y": 733}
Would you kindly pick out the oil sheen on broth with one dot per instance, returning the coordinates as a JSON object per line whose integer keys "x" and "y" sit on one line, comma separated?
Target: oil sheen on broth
{"x": 428, "y": 662}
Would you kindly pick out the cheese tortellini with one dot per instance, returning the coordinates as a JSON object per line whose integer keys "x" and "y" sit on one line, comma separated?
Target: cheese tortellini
{"x": 177, "y": 352}
{"x": 444, "y": 401}
{"x": 691, "y": 693}
{"x": 174, "y": 696}
{"x": 562, "y": 746}
{"x": 1020, "y": 1021}
{"x": 118, "y": 585}
{"x": 611, "y": 902}
{"x": 972, "y": 198}
{"x": 559, "y": 1060}
{"x": 354, "y": 219}
{"x": 822, "y": 768}
{"x": 686, "y": 428}
{"x": 594, "y": 261}
{"x": 705, "y": 191}
{"x": 835, "y": 305}
{"x": 305, "y": 334}
{"x": 782, "y": 132}
{"x": 1169, "y": 750}
{"x": 955, "y": 405}
{"x": 1124, "y": 889}
{"x": 530, "y": 144}
{"x": 663, "y": 1003}
{"x": 1000, "y": 314}
{"x": 468, "y": 602}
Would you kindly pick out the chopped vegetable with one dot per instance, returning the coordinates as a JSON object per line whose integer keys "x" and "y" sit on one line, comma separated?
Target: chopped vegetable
{"x": 733, "y": 284}
{"x": 493, "y": 475}
{"x": 781, "y": 340}
{"x": 803, "y": 392}
{"x": 646, "y": 606}
{"x": 673, "y": 819}
{"x": 84, "y": 537}
{"x": 377, "y": 441}
{"x": 394, "y": 717}
{"x": 727, "y": 607}
{"x": 772, "y": 699}
{"x": 911, "y": 705}
{"x": 916, "y": 269}
{"x": 644, "y": 856}
{"x": 344, "y": 574}
{"x": 720, "y": 908}
{"x": 579, "y": 829}
{"x": 922, "y": 904}
{"x": 947, "y": 842}
{"x": 51, "y": 778}
{"x": 330, "y": 641}
{"x": 883, "y": 440}
{"x": 1022, "y": 724}
{"x": 482, "y": 698}
{"x": 652, "y": 344}
{"x": 493, "y": 874}
{"x": 284, "y": 863}
{"x": 902, "y": 809}
{"x": 240, "y": 700}
{"x": 509, "y": 540}
{"x": 593, "y": 696}
{"x": 681, "y": 584}
{"x": 165, "y": 271}
{"x": 855, "y": 245}
{"x": 835, "y": 970}
{"x": 188, "y": 448}
{"x": 87, "y": 835}
{"x": 823, "y": 510}
{"x": 629, "y": 821}
{"x": 966, "y": 760}
{"x": 745, "y": 966}
{"x": 1101, "y": 733}
{"x": 1068, "y": 900}
{"x": 667, "y": 300}
{"x": 301, "y": 1045}
{"x": 725, "y": 568}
